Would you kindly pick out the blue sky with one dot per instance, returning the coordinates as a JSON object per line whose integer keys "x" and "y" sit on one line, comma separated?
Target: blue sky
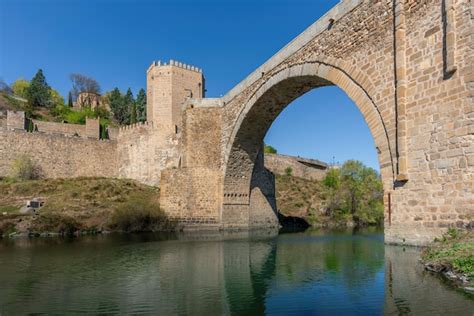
{"x": 115, "y": 41}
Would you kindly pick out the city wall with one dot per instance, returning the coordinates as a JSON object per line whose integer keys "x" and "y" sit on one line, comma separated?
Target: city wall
{"x": 59, "y": 156}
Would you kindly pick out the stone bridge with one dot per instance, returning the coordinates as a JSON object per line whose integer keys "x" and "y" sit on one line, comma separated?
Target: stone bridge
{"x": 406, "y": 64}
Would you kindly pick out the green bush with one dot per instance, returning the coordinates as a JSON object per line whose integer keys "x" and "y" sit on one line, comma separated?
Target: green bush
{"x": 24, "y": 168}
{"x": 355, "y": 190}
{"x": 267, "y": 149}
{"x": 288, "y": 171}
{"x": 138, "y": 214}
{"x": 56, "y": 223}
{"x": 6, "y": 228}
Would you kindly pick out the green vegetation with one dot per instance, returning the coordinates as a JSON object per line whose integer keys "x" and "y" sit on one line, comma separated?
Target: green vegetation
{"x": 453, "y": 252}
{"x": 354, "y": 190}
{"x": 267, "y": 149}
{"x": 41, "y": 102}
{"x": 81, "y": 205}
{"x": 137, "y": 215}
{"x": 125, "y": 109}
{"x": 20, "y": 87}
{"x": 38, "y": 93}
{"x": 350, "y": 195}
{"x": 24, "y": 168}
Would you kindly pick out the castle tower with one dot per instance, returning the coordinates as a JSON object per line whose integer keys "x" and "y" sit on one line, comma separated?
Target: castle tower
{"x": 168, "y": 86}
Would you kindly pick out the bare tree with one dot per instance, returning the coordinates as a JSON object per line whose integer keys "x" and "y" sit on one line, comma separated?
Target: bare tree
{"x": 81, "y": 83}
{"x": 4, "y": 87}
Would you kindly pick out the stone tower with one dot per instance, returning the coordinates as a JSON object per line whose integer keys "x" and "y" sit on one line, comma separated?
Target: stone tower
{"x": 168, "y": 86}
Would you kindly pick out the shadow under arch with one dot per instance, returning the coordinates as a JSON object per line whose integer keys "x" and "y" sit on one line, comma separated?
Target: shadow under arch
{"x": 271, "y": 97}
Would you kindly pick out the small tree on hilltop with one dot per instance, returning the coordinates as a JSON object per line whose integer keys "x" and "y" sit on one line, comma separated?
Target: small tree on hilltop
{"x": 38, "y": 93}
{"x": 133, "y": 114}
{"x": 141, "y": 105}
{"x": 267, "y": 149}
{"x": 20, "y": 86}
{"x": 115, "y": 101}
{"x": 5, "y": 88}
{"x": 128, "y": 103}
{"x": 82, "y": 83}
{"x": 69, "y": 99}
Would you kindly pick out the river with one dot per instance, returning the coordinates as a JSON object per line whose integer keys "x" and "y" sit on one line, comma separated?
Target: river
{"x": 314, "y": 272}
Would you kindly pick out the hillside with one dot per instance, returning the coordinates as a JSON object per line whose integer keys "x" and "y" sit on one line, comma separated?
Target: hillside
{"x": 80, "y": 205}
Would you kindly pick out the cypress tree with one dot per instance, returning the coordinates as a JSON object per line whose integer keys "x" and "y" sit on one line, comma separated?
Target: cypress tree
{"x": 133, "y": 114}
{"x": 128, "y": 103}
{"x": 141, "y": 105}
{"x": 38, "y": 93}
{"x": 116, "y": 104}
{"x": 69, "y": 99}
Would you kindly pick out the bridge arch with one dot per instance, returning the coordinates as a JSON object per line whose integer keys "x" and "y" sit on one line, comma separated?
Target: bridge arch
{"x": 245, "y": 188}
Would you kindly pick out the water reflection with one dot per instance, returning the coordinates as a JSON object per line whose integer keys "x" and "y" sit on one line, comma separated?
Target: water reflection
{"x": 410, "y": 290}
{"x": 245, "y": 273}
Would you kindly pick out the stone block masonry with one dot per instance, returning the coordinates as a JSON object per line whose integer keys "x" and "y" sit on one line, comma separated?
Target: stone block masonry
{"x": 59, "y": 156}
{"x": 406, "y": 64}
{"x": 310, "y": 169}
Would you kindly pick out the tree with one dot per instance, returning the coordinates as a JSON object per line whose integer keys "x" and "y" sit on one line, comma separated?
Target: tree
{"x": 133, "y": 113}
{"x": 20, "y": 86}
{"x": 115, "y": 101}
{"x": 5, "y": 88}
{"x": 82, "y": 83}
{"x": 141, "y": 105}
{"x": 69, "y": 99}
{"x": 38, "y": 93}
{"x": 267, "y": 149}
{"x": 56, "y": 98}
{"x": 356, "y": 190}
{"x": 128, "y": 103}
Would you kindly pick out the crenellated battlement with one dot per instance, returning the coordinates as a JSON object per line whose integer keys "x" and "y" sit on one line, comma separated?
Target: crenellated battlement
{"x": 129, "y": 129}
{"x": 174, "y": 63}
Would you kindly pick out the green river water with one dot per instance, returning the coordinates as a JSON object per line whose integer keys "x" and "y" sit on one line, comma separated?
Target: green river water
{"x": 314, "y": 272}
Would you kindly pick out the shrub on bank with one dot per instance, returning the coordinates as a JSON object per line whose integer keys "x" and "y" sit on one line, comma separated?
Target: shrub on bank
{"x": 55, "y": 223}
{"x": 453, "y": 252}
{"x": 138, "y": 214}
{"x": 24, "y": 168}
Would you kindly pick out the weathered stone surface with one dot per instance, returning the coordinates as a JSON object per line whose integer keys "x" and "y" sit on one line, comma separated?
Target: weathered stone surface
{"x": 406, "y": 64}
{"x": 416, "y": 99}
{"x": 310, "y": 169}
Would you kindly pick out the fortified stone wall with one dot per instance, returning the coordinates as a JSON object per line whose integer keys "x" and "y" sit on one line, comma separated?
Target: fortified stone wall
{"x": 60, "y": 128}
{"x": 144, "y": 150}
{"x": 201, "y": 130}
{"x": 201, "y": 205}
{"x": 310, "y": 169}
{"x": 168, "y": 86}
{"x": 58, "y": 156}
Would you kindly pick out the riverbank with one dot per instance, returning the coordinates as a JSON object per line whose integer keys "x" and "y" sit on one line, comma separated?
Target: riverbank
{"x": 453, "y": 257}
{"x": 78, "y": 206}
{"x": 305, "y": 199}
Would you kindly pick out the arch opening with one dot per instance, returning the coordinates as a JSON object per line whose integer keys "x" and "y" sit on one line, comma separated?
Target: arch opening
{"x": 248, "y": 188}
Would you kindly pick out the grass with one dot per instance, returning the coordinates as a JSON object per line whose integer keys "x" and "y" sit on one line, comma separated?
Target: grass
{"x": 138, "y": 215}
{"x": 82, "y": 204}
{"x": 454, "y": 251}
{"x": 296, "y": 196}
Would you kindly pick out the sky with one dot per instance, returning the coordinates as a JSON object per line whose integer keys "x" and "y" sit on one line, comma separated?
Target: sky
{"x": 114, "y": 41}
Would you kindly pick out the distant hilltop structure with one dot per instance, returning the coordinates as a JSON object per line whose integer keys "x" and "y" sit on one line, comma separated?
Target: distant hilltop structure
{"x": 87, "y": 99}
